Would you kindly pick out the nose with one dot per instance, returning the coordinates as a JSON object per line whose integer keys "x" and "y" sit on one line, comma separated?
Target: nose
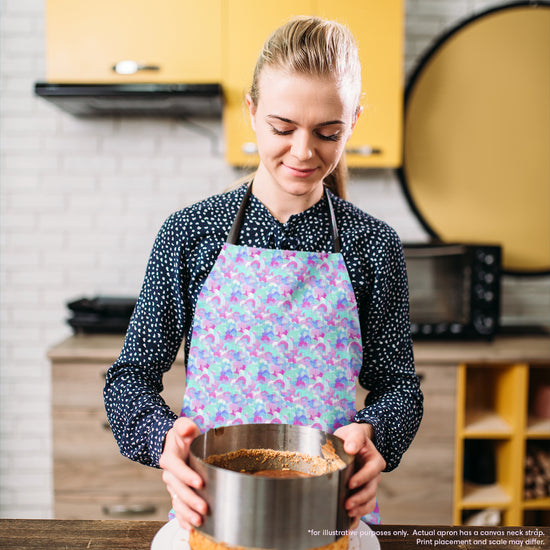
{"x": 301, "y": 147}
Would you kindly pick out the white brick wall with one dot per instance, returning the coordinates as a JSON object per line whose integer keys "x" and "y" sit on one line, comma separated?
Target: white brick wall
{"x": 80, "y": 204}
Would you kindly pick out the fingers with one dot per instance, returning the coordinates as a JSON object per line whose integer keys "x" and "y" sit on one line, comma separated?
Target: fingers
{"x": 355, "y": 436}
{"x": 179, "y": 470}
{"x": 186, "y": 428}
{"x": 188, "y": 506}
{"x": 180, "y": 479}
{"x": 358, "y": 512}
{"x": 363, "y": 501}
{"x": 370, "y": 463}
{"x": 176, "y": 452}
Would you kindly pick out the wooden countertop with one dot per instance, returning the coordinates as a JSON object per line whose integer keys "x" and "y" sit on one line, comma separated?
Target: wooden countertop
{"x": 520, "y": 349}
{"x": 27, "y": 534}
{"x": 531, "y": 349}
{"x": 93, "y": 347}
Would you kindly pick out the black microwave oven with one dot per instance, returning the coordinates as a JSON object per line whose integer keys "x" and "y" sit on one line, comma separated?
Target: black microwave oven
{"x": 454, "y": 290}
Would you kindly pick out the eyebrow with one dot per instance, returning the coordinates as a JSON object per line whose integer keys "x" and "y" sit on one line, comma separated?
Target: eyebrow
{"x": 289, "y": 121}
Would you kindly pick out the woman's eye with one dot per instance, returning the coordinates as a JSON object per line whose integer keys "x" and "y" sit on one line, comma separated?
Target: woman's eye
{"x": 280, "y": 131}
{"x": 330, "y": 137}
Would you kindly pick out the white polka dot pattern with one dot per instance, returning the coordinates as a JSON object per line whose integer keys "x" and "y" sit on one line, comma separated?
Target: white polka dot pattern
{"x": 183, "y": 255}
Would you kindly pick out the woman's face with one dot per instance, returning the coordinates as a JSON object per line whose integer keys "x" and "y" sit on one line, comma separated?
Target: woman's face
{"x": 302, "y": 124}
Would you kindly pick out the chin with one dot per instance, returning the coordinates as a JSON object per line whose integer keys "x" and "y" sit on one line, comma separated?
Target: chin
{"x": 300, "y": 188}
{"x": 300, "y": 191}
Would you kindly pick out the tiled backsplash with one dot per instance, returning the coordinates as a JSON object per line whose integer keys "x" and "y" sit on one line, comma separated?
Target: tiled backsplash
{"x": 81, "y": 202}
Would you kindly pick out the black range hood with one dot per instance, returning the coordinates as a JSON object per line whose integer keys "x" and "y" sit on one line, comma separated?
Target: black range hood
{"x": 171, "y": 100}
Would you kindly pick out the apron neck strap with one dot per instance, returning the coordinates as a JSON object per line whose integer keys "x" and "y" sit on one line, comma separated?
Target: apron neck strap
{"x": 233, "y": 236}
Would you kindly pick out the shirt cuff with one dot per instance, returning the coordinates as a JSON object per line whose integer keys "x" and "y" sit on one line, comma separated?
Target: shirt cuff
{"x": 157, "y": 435}
{"x": 379, "y": 440}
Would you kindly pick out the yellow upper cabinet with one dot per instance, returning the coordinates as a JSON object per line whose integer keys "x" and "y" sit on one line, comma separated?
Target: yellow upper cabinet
{"x": 170, "y": 41}
{"x": 217, "y": 41}
{"x": 248, "y": 23}
{"x": 378, "y": 27}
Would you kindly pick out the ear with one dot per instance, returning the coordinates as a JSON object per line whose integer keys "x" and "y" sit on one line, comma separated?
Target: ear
{"x": 358, "y": 111}
{"x": 251, "y": 110}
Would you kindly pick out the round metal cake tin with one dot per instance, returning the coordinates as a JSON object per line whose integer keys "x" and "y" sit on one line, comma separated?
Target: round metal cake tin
{"x": 275, "y": 513}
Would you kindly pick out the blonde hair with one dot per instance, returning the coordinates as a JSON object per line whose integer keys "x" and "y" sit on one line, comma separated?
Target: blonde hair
{"x": 309, "y": 45}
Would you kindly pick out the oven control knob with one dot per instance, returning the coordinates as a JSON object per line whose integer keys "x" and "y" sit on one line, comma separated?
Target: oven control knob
{"x": 456, "y": 328}
{"x": 489, "y": 259}
{"x": 483, "y": 324}
{"x": 480, "y": 292}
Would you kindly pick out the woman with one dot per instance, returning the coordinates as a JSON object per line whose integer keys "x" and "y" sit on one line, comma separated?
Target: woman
{"x": 307, "y": 294}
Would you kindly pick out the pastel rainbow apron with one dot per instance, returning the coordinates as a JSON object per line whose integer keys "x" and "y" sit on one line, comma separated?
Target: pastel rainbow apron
{"x": 276, "y": 338}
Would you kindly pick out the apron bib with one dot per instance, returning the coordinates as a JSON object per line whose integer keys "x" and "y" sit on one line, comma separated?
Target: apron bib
{"x": 276, "y": 338}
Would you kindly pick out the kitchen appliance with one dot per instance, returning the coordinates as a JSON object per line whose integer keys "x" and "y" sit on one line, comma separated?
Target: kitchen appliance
{"x": 101, "y": 314}
{"x": 269, "y": 512}
{"x": 136, "y": 99}
{"x": 454, "y": 290}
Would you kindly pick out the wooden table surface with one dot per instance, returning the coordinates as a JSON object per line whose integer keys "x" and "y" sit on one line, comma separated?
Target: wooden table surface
{"x": 23, "y": 534}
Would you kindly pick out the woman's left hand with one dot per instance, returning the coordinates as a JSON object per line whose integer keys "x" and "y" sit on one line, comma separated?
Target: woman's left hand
{"x": 370, "y": 463}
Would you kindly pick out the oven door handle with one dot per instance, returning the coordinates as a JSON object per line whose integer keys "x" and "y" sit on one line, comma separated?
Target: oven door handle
{"x": 431, "y": 251}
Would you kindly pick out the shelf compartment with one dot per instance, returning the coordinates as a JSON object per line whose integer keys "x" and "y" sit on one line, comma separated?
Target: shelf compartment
{"x": 536, "y": 480}
{"x": 487, "y": 481}
{"x": 538, "y": 420}
{"x": 536, "y": 517}
{"x": 486, "y": 424}
{"x": 492, "y": 405}
{"x": 481, "y": 516}
{"x": 484, "y": 496}
{"x": 538, "y": 427}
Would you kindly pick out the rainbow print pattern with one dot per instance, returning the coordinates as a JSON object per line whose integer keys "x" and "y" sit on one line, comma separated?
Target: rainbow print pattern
{"x": 276, "y": 338}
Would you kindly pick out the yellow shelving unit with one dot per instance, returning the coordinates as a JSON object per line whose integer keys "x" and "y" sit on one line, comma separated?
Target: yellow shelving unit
{"x": 495, "y": 419}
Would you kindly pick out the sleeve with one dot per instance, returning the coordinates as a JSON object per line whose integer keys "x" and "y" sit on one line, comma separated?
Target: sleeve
{"x": 394, "y": 404}
{"x": 138, "y": 416}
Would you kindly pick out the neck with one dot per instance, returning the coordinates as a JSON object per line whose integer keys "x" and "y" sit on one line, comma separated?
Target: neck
{"x": 282, "y": 203}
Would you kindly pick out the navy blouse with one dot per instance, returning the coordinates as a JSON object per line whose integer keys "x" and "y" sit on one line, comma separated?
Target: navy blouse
{"x": 183, "y": 255}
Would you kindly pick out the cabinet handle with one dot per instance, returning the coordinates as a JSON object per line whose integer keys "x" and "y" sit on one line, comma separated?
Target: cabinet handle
{"x": 364, "y": 150}
{"x": 129, "y": 509}
{"x": 131, "y": 67}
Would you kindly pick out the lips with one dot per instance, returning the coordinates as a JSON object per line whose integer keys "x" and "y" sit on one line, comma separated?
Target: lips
{"x": 299, "y": 172}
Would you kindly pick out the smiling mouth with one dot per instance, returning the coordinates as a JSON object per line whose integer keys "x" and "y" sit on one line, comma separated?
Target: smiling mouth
{"x": 300, "y": 172}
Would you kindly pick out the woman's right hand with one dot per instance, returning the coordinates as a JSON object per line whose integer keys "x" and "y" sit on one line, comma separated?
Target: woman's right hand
{"x": 181, "y": 481}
